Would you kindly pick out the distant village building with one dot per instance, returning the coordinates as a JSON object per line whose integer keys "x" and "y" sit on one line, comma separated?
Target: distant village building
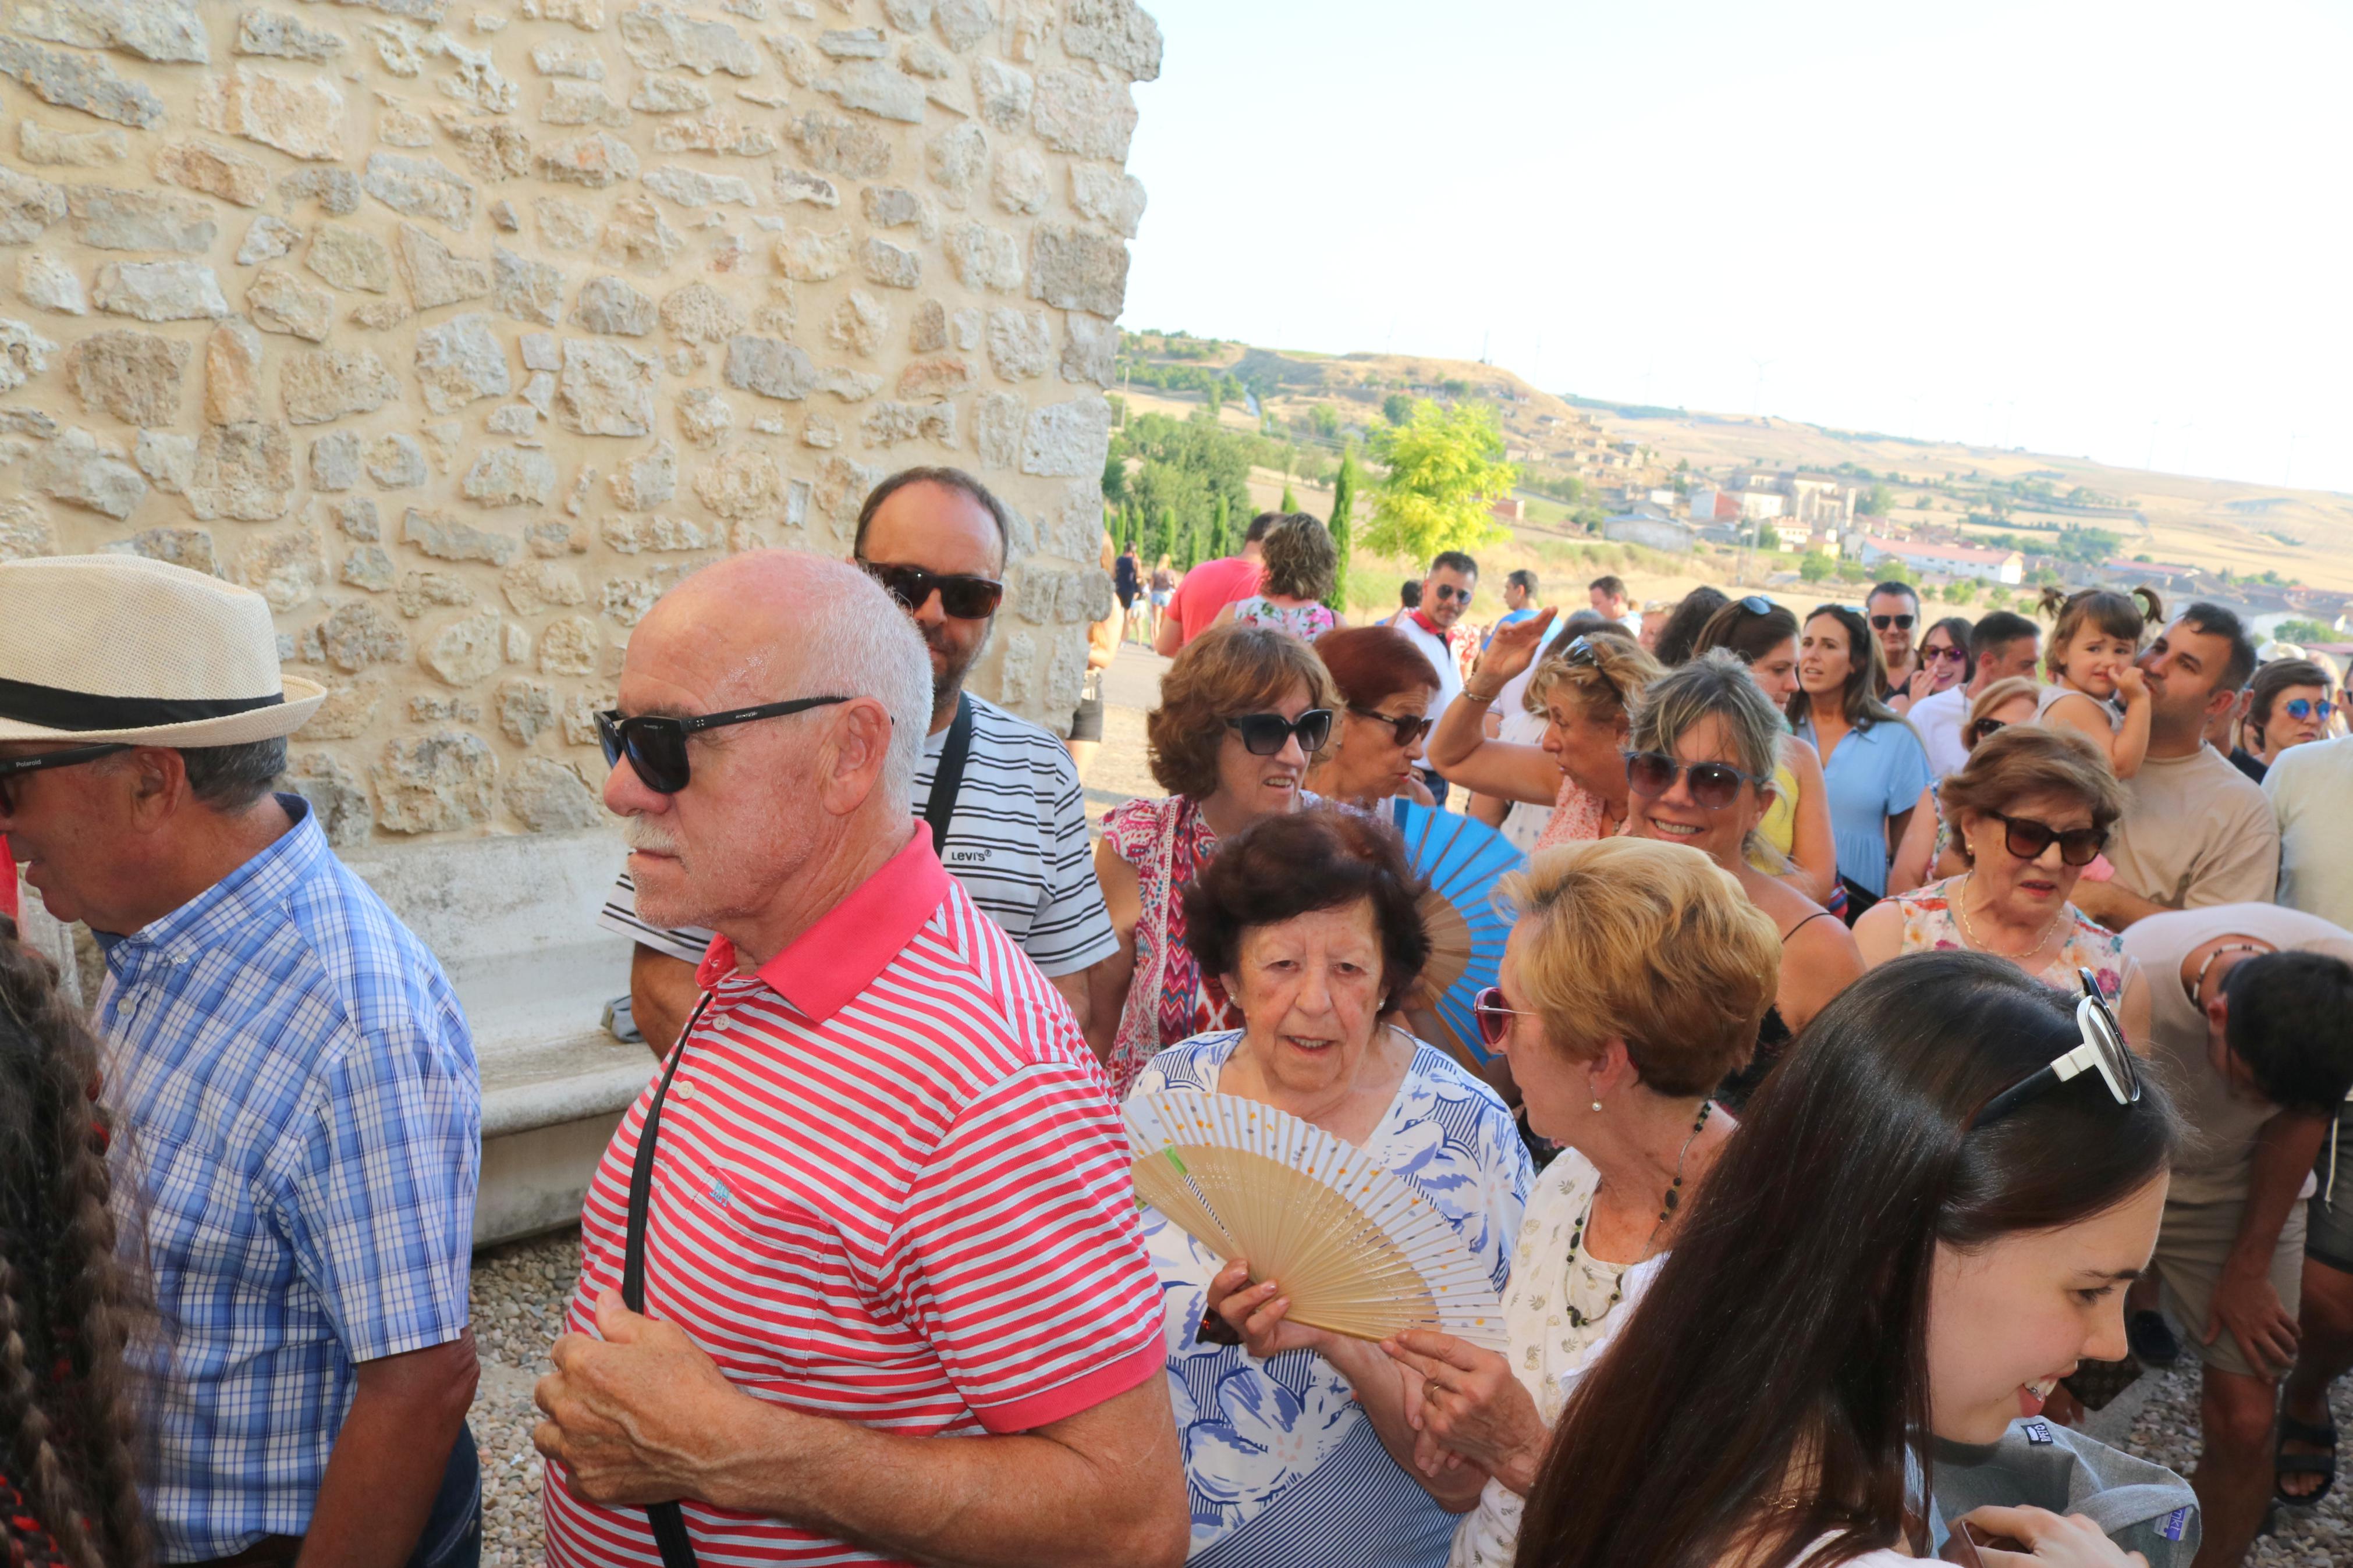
{"x": 1651, "y": 529}
{"x": 1946, "y": 560}
{"x": 1807, "y": 498}
{"x": 1509, "y": 509}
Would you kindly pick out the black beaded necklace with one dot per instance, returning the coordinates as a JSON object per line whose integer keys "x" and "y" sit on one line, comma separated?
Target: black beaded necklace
{"x": 1666, "y": 1212}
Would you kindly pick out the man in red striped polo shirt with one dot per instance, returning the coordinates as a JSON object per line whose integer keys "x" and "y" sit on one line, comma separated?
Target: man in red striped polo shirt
{"x": 896, "y": 1306}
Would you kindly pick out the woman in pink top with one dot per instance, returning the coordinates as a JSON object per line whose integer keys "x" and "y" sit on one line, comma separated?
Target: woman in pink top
{"x": 1584, "y": 690}
{"x": 1982, "y": 1172}
{"x": 1301, "y": 564}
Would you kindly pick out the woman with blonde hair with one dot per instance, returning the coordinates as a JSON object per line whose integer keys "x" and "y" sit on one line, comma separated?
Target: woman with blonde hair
{"x": 1244, "y": 712}
{"x": 1633, "y": 982}
{"x": 1584, "y": 691}
{"x": 1301, "y": 562}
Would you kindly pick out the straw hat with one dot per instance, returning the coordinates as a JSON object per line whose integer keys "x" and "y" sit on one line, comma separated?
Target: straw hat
{"x": 119, "y": 648}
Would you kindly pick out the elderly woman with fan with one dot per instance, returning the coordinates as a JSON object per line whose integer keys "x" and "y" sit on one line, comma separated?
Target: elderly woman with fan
{"x": 1634, "y": 980}
{"x": 1292, "y": 1420}
{"x": 1244, "y": 714}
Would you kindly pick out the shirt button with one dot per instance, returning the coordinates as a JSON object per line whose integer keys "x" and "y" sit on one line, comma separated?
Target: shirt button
{"x": 685, "y": 1089}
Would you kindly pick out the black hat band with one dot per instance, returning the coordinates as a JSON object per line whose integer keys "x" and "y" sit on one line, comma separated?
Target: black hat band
{"x": 53, "y": 707}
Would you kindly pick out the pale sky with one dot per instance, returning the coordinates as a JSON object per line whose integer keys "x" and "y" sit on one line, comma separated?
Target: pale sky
{"x": 2083, "y": 228}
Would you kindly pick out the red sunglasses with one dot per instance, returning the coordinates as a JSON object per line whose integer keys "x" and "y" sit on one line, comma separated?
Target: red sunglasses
{"x": 1494, "y": 1019}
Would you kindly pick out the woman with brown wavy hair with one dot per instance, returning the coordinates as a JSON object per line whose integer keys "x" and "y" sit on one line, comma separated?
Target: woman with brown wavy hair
{"x": 67, "y": 1436}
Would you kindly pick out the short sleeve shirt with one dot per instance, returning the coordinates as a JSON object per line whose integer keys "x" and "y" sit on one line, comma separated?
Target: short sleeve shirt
{"x": 891, "y": 1187}
{"x": 1211, "y": 587}
{"x": 1018, "y": 842}
{"x": 1870, "y": 777}
{"x": 2310, "y": 787}
{"x": 2196, "y": 832}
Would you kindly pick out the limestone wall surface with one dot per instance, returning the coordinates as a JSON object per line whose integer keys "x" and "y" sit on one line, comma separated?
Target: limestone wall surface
{"x": 459, "y": 329}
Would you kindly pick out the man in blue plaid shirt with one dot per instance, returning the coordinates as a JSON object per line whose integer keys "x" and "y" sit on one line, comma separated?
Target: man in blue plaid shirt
{"x": 295, "y": 1082}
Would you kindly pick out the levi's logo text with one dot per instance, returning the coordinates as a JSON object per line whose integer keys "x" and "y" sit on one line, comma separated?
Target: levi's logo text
{"x": 968, "y": 856}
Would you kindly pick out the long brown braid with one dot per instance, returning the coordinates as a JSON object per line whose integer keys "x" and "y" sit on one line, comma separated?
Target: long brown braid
{"x": 68, "y": 1416}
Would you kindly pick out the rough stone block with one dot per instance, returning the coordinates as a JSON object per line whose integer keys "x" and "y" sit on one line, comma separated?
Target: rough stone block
{"x": 663, "y": 40}
{"x": 215, "y": 171}
{"x": 510, "y": 476}
{"x": 435, "y": 784}
{"x": 139, "y": 220}
{"x": 605, "y": 390}
{"x": 283, "y": 36}
{"x": 460, "y": 361}
{"x": 159, "y": 291}
{"x": 1090, "y": 349}
{"x": 323, "y": 384}
{"x": 996, "y": 419}
{"x": 446, "y": 538}
{"x": 1116, "y": 33}
{"x": 570, "y": 646}
{"x": 27, "y": 205}
{"x": 436, "y": 276}
{"x": 335, "y": 462}
{"x": 279, "y": 303}
{"x": 1020, "y": 343}
{"x": 233, "y": 362}
{"x": 525, "y": 289}
{"x": 1077, "y": 269}
{"x": 1109, "y": 196}
{"x": 300, "y": 115}
{"x": 770, "y": 368}
{"x": 419, "y": 187}
{"x": 134, "y": 376}
{"x": 890, "y": 266}
{"x": 74, "y": 81}
{"x": 350, "y": 258}
{"x": 549, "y": 797}
{"x": 357, "y": 635}
{"x": 1083, "y": 114}
{"x": 43, "y": 144}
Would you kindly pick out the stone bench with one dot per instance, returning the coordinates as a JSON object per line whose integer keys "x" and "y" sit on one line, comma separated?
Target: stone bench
{"x": 514, "y": 921}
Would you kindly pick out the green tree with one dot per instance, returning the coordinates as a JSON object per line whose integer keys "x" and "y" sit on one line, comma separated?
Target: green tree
{"x": 1326, "y": 423}
{"x": 1446, "y": 469}
{"x": 1876, "y": 501}
{"x": 2302, "y": 631}
{"x": 1216, "y": 392}
{"x": 1221, "y": 532}
{"x": 1817, "y": 566}
{"x": 1115, "y": 479}
{"x": 1396, "y": 408}
{"x": 1999, "y": 595}
{"x": 1341, "y": 524}
{"x": 1164, "y": 537}
{"x": 1290, "y": 502}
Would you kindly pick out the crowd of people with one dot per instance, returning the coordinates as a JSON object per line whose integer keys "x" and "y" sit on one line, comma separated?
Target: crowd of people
{"x": 1897, "y": 1034}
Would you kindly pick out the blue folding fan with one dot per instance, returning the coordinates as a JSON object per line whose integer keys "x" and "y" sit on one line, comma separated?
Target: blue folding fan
{"x": 1462, "y": 860}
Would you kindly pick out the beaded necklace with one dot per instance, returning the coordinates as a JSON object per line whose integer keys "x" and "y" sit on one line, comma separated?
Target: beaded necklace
{"x": 1666, "y": 1211}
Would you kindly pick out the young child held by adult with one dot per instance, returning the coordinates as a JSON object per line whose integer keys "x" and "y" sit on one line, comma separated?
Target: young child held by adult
{"x": 2095, "y": 687}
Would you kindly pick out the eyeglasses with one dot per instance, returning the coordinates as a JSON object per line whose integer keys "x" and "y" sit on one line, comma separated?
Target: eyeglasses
{"x": 71, "y": 757}
{"x": 656, "y": 745}
{"x": 1986, "y": 729}
{"x": 1757, "y": 604}
{"x": 1408, "y": 728}
{"x": 1265, "y": 734}
{"x": 2306, "y": 707}
{"x": 1494, "y": 1019}
{"x": 1943, "y": 654}
{"x": 1880, "y": 622}
{"x": 2027, "y": 839}
{"x": 1445, "y": 591}
{"x": 2102, "y": 1050}
{"x": 1713, "y": 785}
{"x": 967, "y": 599}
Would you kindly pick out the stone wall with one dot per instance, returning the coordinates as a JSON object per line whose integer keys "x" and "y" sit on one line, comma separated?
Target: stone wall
{"x": 461, "y": 329}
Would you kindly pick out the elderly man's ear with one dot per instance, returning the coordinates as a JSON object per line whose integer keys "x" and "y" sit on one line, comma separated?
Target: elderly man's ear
{"x": 856, "y": 743}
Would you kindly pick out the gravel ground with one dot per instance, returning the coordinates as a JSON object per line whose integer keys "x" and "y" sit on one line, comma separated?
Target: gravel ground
{"x": 521, "y": 1290}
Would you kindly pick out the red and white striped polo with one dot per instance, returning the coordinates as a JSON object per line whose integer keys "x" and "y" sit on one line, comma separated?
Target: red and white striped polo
{"x": 891, "y": 1187}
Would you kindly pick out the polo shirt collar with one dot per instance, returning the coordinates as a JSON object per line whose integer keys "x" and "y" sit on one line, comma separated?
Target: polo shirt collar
{"x": 228, "y": 908}
{"x": 824, "y": 968}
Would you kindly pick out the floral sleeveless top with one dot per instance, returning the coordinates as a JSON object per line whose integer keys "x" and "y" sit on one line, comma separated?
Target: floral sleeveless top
{"x": 1931, "y": 925}
{"x": 1305, "y": 622}
{"x": 1577, "y": 816}
{"x": 1168, "y": 841}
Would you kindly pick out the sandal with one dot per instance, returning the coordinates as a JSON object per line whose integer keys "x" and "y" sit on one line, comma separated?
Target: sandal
{"x": 2321, "y": 1465}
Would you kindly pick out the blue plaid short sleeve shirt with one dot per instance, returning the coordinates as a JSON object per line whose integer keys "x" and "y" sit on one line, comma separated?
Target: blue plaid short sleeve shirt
{"x": 301, "y": 1122}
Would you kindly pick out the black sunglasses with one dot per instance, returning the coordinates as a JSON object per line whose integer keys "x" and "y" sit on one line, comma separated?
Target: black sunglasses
{"x": 1713, "y": 785}
{"x": 46, "y": 760}
{"x": 2102, "y": 1050}
{"x": 656, "y": 745}
{"x": 1880, "y": 622}
{"x": 1986, "y": 729}
{"x": 1265, "y": 734}
{"x": 2027, "y": 839}
{"x": 1449, "y": 591}
{"x": 1410, "y": 728}
{"x": 967, "y": 599}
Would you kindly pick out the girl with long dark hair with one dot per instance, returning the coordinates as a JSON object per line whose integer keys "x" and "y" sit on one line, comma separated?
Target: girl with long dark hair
{"x": 67, "y": 1471}
{"x": 1920, "y": 1228}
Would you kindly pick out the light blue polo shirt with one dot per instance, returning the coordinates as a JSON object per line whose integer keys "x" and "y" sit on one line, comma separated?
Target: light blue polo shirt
{"x": 1873, "y": 774}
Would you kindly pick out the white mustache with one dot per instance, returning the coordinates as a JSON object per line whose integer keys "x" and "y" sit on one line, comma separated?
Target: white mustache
{"x": 650, "y": 834}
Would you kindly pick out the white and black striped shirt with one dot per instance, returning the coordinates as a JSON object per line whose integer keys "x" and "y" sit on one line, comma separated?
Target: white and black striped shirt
{"x": 1017, "y": 842}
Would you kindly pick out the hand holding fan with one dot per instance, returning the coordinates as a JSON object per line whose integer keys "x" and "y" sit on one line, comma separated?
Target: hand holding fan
{"x": 1358, "y": 1249}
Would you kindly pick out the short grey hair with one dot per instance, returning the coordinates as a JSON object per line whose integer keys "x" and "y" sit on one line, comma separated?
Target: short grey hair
{"x": 857, "y": 640}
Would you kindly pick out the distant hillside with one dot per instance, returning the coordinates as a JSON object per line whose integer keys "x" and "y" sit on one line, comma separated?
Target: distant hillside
{"x": 1586, "y": 453}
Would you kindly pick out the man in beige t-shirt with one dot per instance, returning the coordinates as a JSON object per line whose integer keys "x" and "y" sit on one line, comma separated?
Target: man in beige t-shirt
{"x": 2250, "y": 1028}
{"x": 2196, "y": 831}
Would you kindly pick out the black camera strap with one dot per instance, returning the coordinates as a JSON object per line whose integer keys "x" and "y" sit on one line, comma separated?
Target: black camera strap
{"x": 940, "y": 810}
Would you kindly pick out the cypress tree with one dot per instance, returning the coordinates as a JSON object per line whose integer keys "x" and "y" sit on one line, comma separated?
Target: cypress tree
{"x": 1344, "y": 506}
{"x": 1168, "y": 544}
{"x": 1290, "y": 502}
{"x": 1221, "y": 536}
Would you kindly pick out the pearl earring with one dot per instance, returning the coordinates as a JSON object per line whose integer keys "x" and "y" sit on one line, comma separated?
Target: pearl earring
{"x": 1597, "y": 1105}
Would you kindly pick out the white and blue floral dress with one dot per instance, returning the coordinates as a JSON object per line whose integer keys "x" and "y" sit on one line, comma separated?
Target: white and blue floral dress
{"x": 1282, "y": 1465}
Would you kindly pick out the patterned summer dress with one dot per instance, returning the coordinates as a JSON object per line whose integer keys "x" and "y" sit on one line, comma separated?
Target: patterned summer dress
{"x": 1930, "y": 925}
{"x": 1282, "y": 1466}
{"x": 1577, "y": 816}
{"x": 1305, "y": 622}
{"x": 1559, "y": 1317}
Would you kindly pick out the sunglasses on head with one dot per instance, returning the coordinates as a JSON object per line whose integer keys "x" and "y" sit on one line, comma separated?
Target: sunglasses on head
{"x": 1986, "y": 729}
{"x": 43, "y": 761}
{"x": 1757, "y": 604}
{"x": 2102, "y": 1050}
{"x": 2027, "y": 839}
{"x": 1713, "y": 785}
{"x": 1880, "y": 622}
{"x": 1265, "y": 734}
{"x": 967, "y": 599}
{"x": 656, "y": 744}
{"x": 1408, "y": 728}
{"x": 2306, "y": 707}
{"x": 1444, "y": 591}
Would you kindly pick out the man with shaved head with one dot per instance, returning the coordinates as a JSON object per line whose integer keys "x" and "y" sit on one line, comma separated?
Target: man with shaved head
{"x": 860, "y": 1269}
{"x": 1007, "y": 817}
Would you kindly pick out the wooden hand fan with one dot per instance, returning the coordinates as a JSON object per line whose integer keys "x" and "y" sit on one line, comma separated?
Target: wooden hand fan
{"x": 1358, "y": 1250}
